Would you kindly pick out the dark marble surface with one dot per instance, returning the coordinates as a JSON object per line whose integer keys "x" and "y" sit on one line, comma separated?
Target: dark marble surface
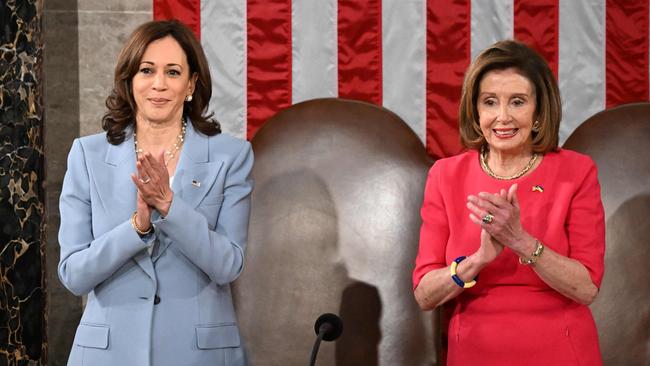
{"x": 22, "y": 302}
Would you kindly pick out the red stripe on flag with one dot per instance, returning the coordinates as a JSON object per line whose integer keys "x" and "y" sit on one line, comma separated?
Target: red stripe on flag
{"x": 448, "y": 55}
{"x": 359, "y": 50}
{"x": 186, "y": 11}
{"x": 626, "y": 52}
{"x": 269, "y": 60}
{"x": 537, "y": 24}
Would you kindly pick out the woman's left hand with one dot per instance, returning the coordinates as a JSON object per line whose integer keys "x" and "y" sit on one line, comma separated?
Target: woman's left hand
{"x": 506, "y": 224}
{"x": 153, "y": 182}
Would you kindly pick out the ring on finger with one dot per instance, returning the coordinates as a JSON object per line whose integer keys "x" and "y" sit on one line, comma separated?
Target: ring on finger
{"x": 145, "y": 181}
{"x": 488, "y": 218}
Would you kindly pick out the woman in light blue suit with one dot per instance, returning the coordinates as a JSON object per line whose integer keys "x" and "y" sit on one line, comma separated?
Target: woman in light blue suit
{"x": 154, "y": 214}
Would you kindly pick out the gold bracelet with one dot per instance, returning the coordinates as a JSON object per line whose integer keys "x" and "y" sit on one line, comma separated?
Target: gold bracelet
{"x": 137, "y": 229}
{"x": 539, "y": 249}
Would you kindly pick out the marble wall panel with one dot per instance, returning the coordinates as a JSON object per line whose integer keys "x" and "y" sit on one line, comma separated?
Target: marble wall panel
{"x": 123, "y": 6}
{"x": 101, "y": 36}
{"x": 60, "y": 5}
{"x": 22, "y": 209}
{"x": 82, "y": 41}
{"x": 61, "y": 68}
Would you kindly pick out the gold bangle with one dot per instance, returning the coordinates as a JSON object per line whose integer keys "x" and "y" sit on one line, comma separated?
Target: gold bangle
{"x": 539, "y": 249}
{"x": 136, "y": 228}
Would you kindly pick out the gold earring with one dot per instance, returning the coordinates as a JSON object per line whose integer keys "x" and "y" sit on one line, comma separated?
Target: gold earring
{"x": 536, "y": 126}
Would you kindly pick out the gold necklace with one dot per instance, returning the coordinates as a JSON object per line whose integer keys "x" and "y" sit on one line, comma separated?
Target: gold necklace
{"x": 171, "y": 153}
{"x": 486, "y": 167}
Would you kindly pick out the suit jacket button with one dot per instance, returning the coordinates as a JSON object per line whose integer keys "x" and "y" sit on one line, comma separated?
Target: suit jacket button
{"x": 156, "y": 300}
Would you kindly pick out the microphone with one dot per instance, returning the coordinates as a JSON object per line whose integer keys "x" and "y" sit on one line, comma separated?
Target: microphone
{"x": 328, "y": 327}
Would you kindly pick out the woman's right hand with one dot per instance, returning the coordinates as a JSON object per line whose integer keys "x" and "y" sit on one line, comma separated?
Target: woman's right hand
{"x": 143, "y": 216}
{"x": 142, "y": 208}
{"x": 489, "y": 248}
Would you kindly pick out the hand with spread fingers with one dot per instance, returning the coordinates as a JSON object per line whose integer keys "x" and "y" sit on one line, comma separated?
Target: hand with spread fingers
{"x": 152, "y": 181}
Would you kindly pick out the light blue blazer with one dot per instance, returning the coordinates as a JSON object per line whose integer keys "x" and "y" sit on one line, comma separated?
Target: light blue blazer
{"x": 173, "y": 307}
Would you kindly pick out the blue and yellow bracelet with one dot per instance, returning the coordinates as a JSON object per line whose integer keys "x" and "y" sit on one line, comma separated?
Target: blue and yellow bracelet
{"x": 454, "y": 276}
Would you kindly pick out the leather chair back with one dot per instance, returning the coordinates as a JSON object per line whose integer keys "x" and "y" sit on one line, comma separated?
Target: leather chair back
{"x": 334, "y": 228}
{"x": 618, "y": 140}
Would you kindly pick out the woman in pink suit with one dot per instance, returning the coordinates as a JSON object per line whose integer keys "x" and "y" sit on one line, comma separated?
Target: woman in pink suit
{"x": 513, "y": 229}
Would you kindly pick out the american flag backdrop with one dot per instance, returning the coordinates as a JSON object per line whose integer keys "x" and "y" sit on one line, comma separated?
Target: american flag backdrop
{"x": 409, "y": 55}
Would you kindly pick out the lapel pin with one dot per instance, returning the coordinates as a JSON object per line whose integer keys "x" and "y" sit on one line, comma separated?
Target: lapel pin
{"x": 538, "y": 188}
{"x": 196, "y": 184}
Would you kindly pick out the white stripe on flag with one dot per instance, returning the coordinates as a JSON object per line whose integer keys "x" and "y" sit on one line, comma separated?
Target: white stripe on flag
{"x": 404, "y": 61}
{"x": 314, "y": 49}
{"x": 492, "y": 20}
{"x": 223, "y": 36}
{"x": 581, "y": 69}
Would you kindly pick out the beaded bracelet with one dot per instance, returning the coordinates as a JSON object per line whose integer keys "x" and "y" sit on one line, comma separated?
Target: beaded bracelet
{"x": 539, "y": 249}
{"x": 454, "y": 276}
{"x": 137, "y": 229}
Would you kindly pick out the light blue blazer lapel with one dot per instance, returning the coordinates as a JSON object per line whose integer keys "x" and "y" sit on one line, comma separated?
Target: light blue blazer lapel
{"x": 194, "y": 176}
{"x": 118, "y": 193}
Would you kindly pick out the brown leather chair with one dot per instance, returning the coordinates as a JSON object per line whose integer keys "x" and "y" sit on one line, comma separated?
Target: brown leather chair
{"x": 618, "y": 140}
{"x": 334, "y": 228}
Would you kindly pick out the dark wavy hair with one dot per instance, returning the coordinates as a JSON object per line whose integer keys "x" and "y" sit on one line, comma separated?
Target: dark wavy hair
{"x": 504, "y": 55}
{"x": 120, "y": 103}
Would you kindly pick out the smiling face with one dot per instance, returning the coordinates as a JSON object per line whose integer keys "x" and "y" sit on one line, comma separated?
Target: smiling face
{"x": 506, "y": 110}
{"x": 162, "y": 82}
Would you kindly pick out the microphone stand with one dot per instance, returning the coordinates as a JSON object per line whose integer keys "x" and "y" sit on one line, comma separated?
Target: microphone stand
{"x": 328, "y": 327}
{"x": 314, "y": 351}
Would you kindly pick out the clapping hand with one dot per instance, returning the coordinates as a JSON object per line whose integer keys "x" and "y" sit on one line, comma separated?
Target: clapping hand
{"x": 152, "y": 181}
{"x": 499, "y": 215}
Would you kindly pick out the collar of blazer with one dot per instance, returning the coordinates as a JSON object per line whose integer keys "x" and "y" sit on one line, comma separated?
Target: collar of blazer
{"x": 195, "y": 172}
{"x": 197, "y": 164}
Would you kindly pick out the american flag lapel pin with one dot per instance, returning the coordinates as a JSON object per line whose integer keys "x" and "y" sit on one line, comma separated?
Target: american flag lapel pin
{"x": 196, "y": 183}
{"x": 538, "y": 188}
